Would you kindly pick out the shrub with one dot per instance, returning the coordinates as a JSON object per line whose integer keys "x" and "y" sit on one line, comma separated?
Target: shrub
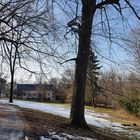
{"x": 131, "y": 105}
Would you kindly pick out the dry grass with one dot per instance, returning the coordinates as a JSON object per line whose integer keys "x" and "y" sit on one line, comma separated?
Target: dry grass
{"x": 41, "y": 123}
{"x": 121, "y": 116}
{"x": 37, "y": 123}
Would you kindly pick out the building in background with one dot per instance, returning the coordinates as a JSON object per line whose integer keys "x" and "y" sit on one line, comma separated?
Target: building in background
{"x": 40, "y": 92}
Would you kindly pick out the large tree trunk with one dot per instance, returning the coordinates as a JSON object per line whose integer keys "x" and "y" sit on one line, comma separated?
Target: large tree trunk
{"x": 77, "y": 107}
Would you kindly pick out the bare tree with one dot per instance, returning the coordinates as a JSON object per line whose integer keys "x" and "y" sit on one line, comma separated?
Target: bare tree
{"x": 82, "y": 15}
{"x": 84, "y": 36}
{"x": 23, "y": 26}
{"x": 132, "y": 43}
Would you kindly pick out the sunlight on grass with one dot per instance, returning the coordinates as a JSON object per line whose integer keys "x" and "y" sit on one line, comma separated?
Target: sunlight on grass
{"x": 120, "y": 116}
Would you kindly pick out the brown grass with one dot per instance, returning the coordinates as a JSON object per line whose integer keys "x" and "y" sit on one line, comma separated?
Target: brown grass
{"x": 41, "y": 123}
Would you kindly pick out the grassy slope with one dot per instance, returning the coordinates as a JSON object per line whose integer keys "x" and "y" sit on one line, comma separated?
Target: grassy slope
{"x": 40, "y": 123}
{"x": 61, "y": 124}
{"x": 116, "y": 116}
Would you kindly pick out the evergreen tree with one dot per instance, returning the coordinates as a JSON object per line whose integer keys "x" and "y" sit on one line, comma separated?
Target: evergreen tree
{"x": 93, "y": 75}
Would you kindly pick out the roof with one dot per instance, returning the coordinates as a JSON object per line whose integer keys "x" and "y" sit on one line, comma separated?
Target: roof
{"x": 32, "y": 87}
{"x": 26, "y": 87}
{"x": 46, "y": 86}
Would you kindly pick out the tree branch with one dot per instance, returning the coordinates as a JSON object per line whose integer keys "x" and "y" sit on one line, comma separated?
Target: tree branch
{"x": 106, "y": 2}
{"x": 72, "y": 59}
{"x": 132, "y": 8}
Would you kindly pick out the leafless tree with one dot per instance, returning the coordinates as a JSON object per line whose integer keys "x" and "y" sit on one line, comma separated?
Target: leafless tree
{"x": 89, "y": 8}
{"x": 82, "y": 25}
{"x": 132, "y": 43}
{"x": 23, "y": 27}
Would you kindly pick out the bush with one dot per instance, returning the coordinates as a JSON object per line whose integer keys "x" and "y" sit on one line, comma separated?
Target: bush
{"x": 131, "y": 105}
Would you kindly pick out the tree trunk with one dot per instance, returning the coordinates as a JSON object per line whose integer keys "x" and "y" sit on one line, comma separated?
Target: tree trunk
{"x": 93, "y": 97}
{"x": 11, "y": 87}
{"x": 77, "y": 107}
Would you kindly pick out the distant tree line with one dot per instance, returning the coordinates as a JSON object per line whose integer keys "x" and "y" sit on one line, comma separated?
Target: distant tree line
{"x": 116, "y": 90}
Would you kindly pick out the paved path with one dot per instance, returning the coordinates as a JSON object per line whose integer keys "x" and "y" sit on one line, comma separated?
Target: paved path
{"x": 11, "y": 124}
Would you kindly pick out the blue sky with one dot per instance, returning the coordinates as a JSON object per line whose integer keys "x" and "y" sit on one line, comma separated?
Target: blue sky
{"x": 67, "y": 48}
{"x": 116, "y": 56}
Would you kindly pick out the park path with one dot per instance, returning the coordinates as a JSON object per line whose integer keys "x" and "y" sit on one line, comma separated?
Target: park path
{"x": 11, "y": 123}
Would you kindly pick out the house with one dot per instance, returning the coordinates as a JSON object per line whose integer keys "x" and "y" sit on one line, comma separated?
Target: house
{"x": 2, "y": 88}
{"x": 46, "y": 92}
{"x": 35, "y": 91}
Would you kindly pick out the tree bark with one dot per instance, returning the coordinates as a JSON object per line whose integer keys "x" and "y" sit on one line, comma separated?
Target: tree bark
{"x": 12, "y": 70}
{"x": 11, "y": 87}
{"x": 77, "y": 107}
